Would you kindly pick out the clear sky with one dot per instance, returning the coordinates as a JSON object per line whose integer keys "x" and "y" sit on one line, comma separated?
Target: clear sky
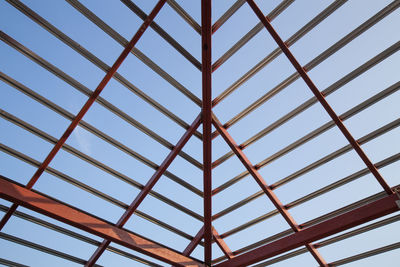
{"x": 72, "y": 23}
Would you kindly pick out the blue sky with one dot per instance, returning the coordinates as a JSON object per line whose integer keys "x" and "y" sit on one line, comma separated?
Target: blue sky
{"x": 120, "y": 18}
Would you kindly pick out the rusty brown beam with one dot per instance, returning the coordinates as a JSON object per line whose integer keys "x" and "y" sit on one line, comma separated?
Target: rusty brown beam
{"x": 86, "y": 222}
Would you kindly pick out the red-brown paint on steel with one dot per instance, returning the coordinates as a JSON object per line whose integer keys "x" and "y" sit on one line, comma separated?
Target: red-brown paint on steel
{"x": 319, "y": 96}
{"x": 195, "y": 241}
{"x": 88, "y": 104}
{"x": 253, "y": 172}
{"x": 366, "y": 213}
{"x": 206, "y": 33}
{"x": 71, "y": 216}
{"x": 222, "y": 245}
{"x": 264, "y": 186}
{"x": 147, "y": 188}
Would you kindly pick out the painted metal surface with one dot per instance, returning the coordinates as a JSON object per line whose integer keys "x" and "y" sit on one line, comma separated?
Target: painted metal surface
{"x": 206, "y": 32}
{"x": 147, "y": 188}
{"x": 86, "y": 106}
{"x": 303, "y": 73}
{"x": 366, "y": 213}
{"x": 265, "y": 188}
{"x": 66, "y": 214}
{"x": 299, "y": 235}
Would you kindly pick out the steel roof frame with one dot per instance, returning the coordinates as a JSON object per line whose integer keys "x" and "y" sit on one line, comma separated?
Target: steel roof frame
{"x": 355, "y": 214}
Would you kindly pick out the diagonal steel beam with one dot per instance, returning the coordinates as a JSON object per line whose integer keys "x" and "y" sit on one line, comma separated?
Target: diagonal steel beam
{"x": 294, "y": 175}
{"x": 142, "y": 57}
{"x": 77, "y": 236}
{"x": 373, "y": 210}
{"x": 195, "y": 241}
{"x": 264, "y": 186}
{"x": 101, "y": 166}
{"x": 312, "y": 100}
{"x": 185, "y": 16}
{"x": 366, "y": 25}
{"x": 147, "y": 188}
{"x": 229, "y": 13}
{"x": 49, "y": 207}
{"x": 222, "y": 245}
{"x": 333, "y": 240}
{"x": 321, "y": 98}
{"x": 206, "y": 32}
{"x": 246, "y": 38}
{"x": 87, "y": 105}
{"x": 168, "y": 38}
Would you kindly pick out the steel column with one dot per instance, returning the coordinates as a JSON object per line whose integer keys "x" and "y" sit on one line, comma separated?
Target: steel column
{"x": 86, "y": 222}
{"x": 378, "y": 208}
{"x": 206, "y": 32}
{"x": 87, "y": 105}
{"x": 303, "y": 73}
{"x": 147, "y": 188}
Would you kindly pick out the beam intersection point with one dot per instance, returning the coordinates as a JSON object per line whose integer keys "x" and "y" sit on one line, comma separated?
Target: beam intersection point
{"x": 362, "y": 213}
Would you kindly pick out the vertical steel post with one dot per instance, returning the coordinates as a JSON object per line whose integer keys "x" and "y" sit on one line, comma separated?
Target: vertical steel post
{"x": 206, "y": 31}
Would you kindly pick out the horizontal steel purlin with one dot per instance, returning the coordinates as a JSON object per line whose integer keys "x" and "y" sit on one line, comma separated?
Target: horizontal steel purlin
{"x": 102, "y": 65}
{"x": 76, "y": 236}
{"x": 294, "y": 112}
{"x": 42, "y": 248}
{"x": 335, "y": 154}
{"x": 222, "y": 245}
{"x": 195, "y": 241}
{"x": 314, "y": 194}
{"x": 366, "y": 213}
{"x": 71, "y": 216}
{"x": 181, "y": 12}
{"x": 92, "y": 98}
{"x": 178, "y": 47}
{"x": 265, "y": 188}
{"x": 304, "y": 225}
{"x": 239, "y": 44}
{"x": 15, "y": 120}
{"x": 149, "y": 185}
{"x": 321, "y": 98}
{"x": 122, "y": 41}
{"x": 229, "y": 13}
{"x": 309, "y": 66}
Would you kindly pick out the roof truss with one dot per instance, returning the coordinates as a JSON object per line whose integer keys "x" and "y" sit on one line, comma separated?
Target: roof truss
{"x": 305, "y": 237}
